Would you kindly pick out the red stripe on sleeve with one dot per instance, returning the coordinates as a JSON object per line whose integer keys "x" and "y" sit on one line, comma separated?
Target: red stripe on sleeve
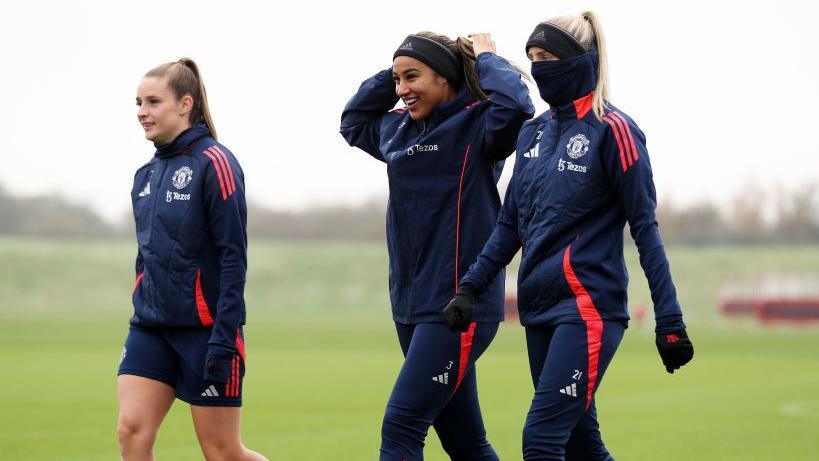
{"x": 226, "y": 166}
{"x": 629, "y": 154}
{"x": 223, "y": 168}
{"x": 218, "y": 173}
{"x": 201, "y": 304}
{"x": 619, "y": 143}
{"x": 466, "y": 347}
{"x": 591, "y": 317}
{"x": 458, "y": 219}
{"x": 628, "y": 131}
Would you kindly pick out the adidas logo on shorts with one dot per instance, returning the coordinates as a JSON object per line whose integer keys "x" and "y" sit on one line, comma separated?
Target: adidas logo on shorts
{"x": 210, "y": 392}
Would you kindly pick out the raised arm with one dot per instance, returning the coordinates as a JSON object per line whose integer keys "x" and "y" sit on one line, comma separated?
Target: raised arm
{"x": 364, "y": 114}
{"x": 510, "y": 104}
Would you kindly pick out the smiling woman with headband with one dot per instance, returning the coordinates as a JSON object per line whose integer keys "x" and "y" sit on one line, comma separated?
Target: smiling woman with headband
{"x": 444, "y": 153}
{"x": 582, "y": 172}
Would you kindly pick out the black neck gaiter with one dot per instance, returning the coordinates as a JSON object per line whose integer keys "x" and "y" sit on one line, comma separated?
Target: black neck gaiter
{"x": 562, "y": 81}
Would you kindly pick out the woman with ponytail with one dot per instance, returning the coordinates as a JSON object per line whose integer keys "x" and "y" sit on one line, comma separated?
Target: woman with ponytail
{"x": 185, "y": 340}
{"x": 582, "y": 172}
{"x": 444, "y": 153}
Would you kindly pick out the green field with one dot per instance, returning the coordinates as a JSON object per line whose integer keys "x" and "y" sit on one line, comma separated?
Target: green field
{"x": 323, "y": 355}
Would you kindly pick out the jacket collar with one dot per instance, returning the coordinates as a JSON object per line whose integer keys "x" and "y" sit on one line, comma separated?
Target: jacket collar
{"x": 182, "y": 142}
{"x": 576, "y": 109}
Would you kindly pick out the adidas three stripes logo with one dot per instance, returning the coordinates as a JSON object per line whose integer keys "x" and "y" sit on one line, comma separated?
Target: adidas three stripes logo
{"x": 570, "y": 390}
{"x": 625, "y": 141}
{"x": 224, "y": 171}
{"x": 443, "y": 379}
{"x": 210, "y": 392}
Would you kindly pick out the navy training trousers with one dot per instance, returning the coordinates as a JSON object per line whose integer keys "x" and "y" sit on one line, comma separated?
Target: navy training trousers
{"x": 437, "y": 386}
{"x": 567, "y": 361}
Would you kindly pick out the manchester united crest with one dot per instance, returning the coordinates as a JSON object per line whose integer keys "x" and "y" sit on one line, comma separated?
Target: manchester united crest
{"x": 182, "y": 177}
{"x": 578, "y": 146}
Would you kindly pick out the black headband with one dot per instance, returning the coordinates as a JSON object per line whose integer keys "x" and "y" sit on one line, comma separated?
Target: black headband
{"x": 555, "y": 40}
{"x": 433, "y": 54}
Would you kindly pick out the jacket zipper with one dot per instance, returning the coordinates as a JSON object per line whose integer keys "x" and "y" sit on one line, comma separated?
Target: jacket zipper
{"x": 557, "y": 138}
{"x": 156, "y": 198}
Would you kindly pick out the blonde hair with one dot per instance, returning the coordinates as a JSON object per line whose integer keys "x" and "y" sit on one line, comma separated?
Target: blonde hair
{"x": 586, "y": 28}
{"x": 184, "y": 79}
{"x": 462, "y": 48}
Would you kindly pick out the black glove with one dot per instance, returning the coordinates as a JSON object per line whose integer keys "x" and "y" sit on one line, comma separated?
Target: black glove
{"x": 218, "y": 363}
{"x": 458, "y": 313}
{"x": 675, "y": 349}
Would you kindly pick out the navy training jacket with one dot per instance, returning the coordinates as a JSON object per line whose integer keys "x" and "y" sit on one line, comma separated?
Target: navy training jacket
{"x": 191, "y": 218}
{"x": 443, "y": 174}
{"x": 577, "y": 181}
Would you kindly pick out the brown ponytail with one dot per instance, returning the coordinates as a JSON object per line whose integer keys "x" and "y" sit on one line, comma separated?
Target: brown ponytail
{"x": 470, "y": 75}
{"x": 462, "y": 48}
{"x": 184, "y": 79}
{"x": 467, "y": 55}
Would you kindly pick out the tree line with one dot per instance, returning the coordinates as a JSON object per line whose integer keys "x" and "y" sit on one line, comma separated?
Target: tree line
{"x": 751, "y": 217}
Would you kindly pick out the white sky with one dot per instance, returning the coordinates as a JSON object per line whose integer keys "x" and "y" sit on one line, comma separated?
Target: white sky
{"x": 727, "y": 95}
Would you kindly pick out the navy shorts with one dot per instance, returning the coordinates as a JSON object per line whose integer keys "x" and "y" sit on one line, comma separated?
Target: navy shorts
{"x": 176, "y": 357}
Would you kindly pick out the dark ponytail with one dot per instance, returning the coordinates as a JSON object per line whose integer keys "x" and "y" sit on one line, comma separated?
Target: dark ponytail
{"x": 466, "y": 53}
{"x": 462, "y": 48}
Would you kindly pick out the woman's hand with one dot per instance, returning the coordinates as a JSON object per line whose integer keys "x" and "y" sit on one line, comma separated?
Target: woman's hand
{"x": 675, "y": 349}
{"x": 458, "y": 313}
{"x": 482, "y": 42}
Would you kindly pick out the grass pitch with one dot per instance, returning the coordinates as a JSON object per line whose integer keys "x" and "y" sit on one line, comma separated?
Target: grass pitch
{"x": 323, "y": 355}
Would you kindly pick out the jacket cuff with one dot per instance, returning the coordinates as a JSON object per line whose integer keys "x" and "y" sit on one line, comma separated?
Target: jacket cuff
{"x": 467, "y": 289}
{"x": 218, "y": 364}
{"x": 669, "y": 324}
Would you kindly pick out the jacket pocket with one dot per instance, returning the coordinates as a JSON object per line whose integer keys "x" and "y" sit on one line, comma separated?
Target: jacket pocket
{"x": 545, "y": 285}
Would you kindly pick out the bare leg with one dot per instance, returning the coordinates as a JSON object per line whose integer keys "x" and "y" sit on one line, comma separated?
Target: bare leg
{"x": 143, "y": 403}
{"x": 217, "y": 429}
